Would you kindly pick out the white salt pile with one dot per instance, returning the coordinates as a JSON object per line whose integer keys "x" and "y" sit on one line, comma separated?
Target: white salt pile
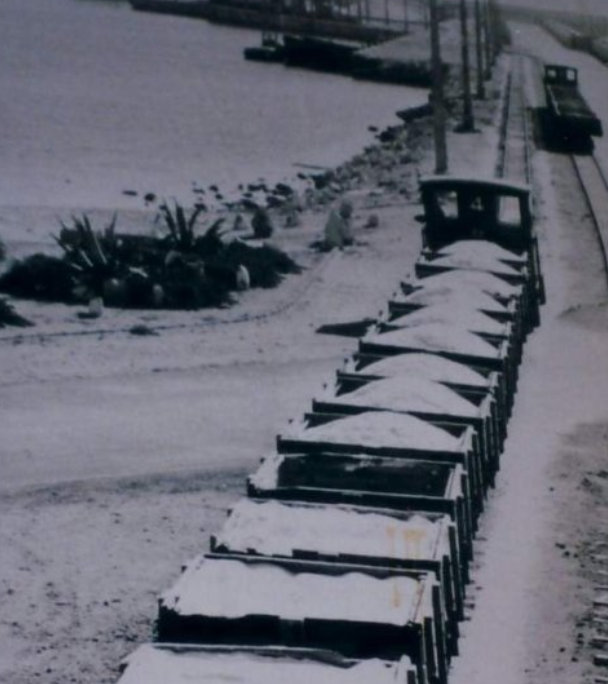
{"x": 161, "y": 664}
{"x": 278, "y": 528}
{"x": 428, "y": 366}
{"x": 380, "y": 429}
{"x": 234, "y": 589}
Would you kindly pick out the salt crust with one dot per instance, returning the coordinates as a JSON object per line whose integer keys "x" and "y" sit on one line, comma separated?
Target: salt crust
{"x": 380, "y": 429}
{"x": 234, "y": 589}
{"x": 449, "y": 312}
{"x": 417, "y": 394}
{"x": 435, "y": 337}
{"x": 275, "y": 528}
{"x": 162, "y": 665}
{"x": 482, "y": 249}
{"x": 428, "y": 366}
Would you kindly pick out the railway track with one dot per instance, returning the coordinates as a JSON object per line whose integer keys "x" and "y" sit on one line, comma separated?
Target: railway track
{"x": 514, "y": 147}
{"x": 595, "y": 188}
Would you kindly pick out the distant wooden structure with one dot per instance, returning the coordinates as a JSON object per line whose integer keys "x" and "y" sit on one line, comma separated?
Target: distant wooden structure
{"x": 319, "y": 18}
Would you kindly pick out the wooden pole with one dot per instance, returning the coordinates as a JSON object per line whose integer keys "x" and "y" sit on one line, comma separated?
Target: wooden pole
{"x": 468, "y": 123}
{"x": 481, "y": 91}
{"x": 488, "y": 43}
{"x": 439, "y": 115}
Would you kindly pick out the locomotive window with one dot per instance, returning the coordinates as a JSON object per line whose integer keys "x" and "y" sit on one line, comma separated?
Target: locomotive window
{"x": 509, "y": 211}
{"x": 447, "y": 203}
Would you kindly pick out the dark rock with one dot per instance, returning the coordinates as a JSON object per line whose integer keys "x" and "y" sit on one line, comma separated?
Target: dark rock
{"x": 247, "y": 203}
{"x": 283, "y": 189}
{"x": 142, "y": 330}
{"x": 274, "y": 201}
{"x": 130, "y": 193}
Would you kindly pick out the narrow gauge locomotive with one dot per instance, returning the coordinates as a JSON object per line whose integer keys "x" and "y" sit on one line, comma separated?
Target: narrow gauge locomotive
{"x": 569, "y": 121}
{"x": 347, "y": 562}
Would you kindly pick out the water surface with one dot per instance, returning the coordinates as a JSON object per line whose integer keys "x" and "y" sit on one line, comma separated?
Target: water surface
{"x": 98, "y": 99}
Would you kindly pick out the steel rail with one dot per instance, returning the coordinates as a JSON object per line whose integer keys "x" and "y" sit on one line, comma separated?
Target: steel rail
{"x": 514, "y": 153}
{"x": 595, "y": 189}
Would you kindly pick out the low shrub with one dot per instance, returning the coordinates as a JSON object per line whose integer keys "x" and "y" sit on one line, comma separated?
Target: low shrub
{"x": 42, "y": 278}
{"x": 266, "y": 264}
{"x": 8, "y": 316}
{"x": 180, "y": 270}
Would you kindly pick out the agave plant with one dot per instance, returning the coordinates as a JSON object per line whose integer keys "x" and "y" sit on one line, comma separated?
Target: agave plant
{"x": 91, "y": 253}
{"x": 181, "y": 227}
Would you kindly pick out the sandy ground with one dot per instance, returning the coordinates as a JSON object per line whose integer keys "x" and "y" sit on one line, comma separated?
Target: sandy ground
{"x": 120, "y": 454}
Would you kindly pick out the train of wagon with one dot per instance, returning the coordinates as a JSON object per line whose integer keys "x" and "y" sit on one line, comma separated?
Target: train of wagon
{"x": 347, "y": 562}
{"x": 569, "y": 122}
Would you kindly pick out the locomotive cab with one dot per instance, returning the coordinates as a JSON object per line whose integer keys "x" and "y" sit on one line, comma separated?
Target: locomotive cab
{"x": 462, "y": 208}
{"x": 557, "y": 74}
{"x": 457, "y": 209}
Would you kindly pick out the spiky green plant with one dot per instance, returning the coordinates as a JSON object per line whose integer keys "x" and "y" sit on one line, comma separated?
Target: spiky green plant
{"x": 93, "y": 254}
{"x": 181, "y": 227}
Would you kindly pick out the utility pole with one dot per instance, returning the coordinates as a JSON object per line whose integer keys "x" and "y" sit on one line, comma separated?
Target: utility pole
{"x": 481, "y": 91}
{"x": 468, "y": 123}
{"x": 488, "y": 43}
{"x": 439, "y": 115}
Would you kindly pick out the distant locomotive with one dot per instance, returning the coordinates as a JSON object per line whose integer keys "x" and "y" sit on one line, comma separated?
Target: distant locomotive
{"x": 569, "y": 122}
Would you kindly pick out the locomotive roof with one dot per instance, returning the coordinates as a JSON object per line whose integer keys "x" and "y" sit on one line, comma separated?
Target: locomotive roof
{"x": 486, "y": 183}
